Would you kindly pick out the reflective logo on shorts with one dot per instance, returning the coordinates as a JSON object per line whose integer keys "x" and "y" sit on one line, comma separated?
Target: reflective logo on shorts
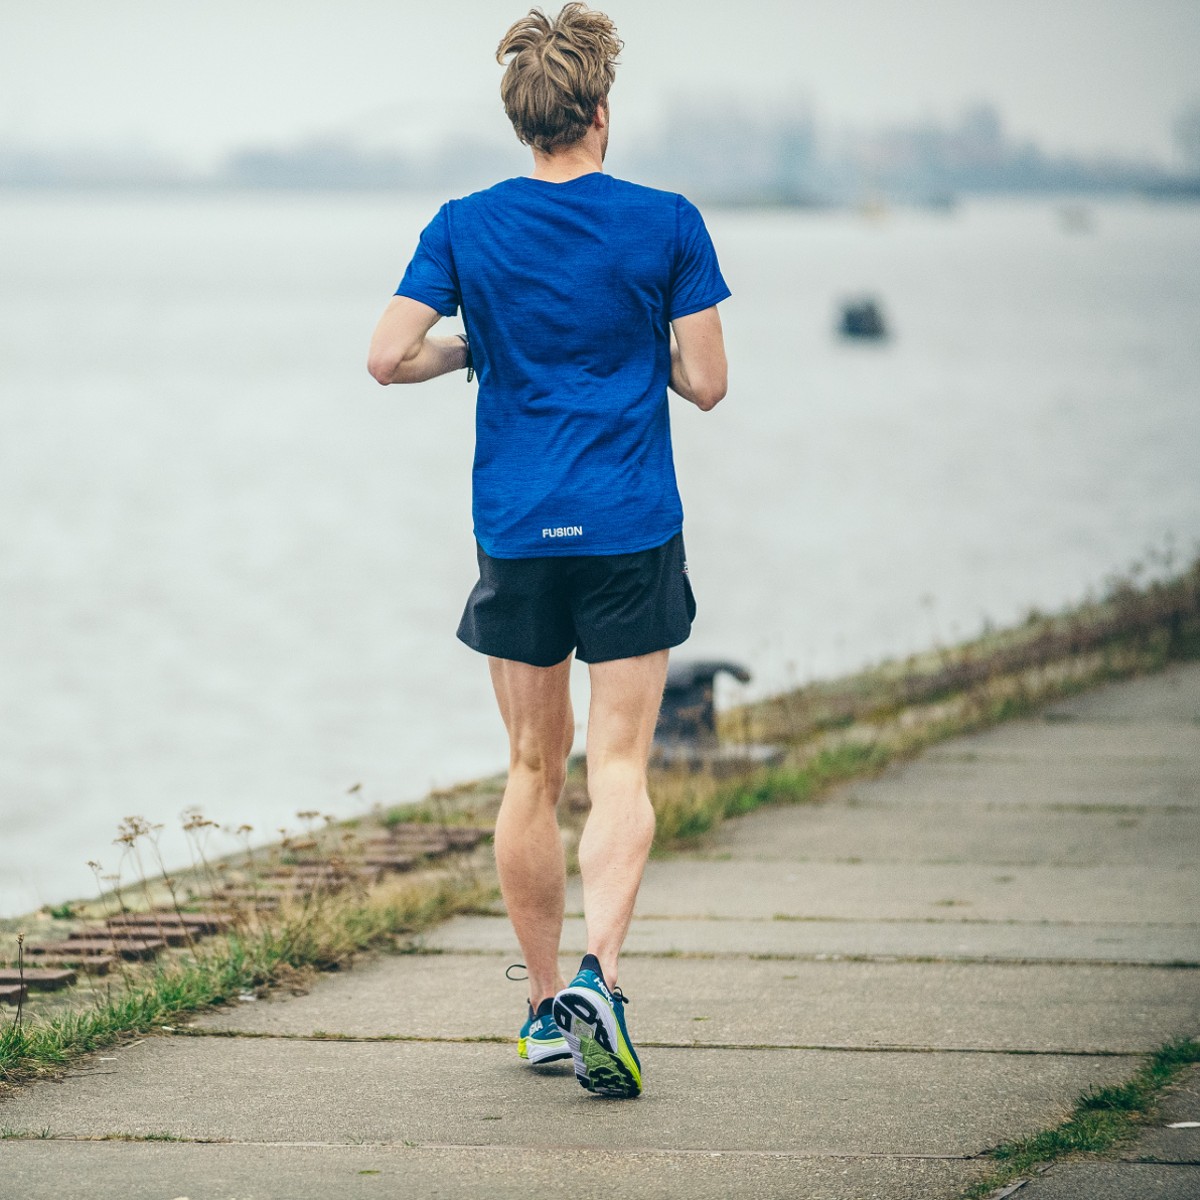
{"x": 563, "y": 531}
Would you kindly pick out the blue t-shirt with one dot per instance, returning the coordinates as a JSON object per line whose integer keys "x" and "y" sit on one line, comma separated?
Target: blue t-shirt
{"x": 567, "y": 292}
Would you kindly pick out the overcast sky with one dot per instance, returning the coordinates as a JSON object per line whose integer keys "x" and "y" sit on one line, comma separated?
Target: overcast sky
{"x": 196, "y": 77}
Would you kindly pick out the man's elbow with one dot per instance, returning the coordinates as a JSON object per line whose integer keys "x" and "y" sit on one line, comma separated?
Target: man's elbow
{"x": 711, "y": 394}
{"x": 389, "y": 367}
{"x": 381, "y": 367}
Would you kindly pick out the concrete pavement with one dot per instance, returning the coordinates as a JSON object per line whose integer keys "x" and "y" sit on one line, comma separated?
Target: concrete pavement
{"x": 843, "y": 1000}
{"x": 1164, "y": 1160}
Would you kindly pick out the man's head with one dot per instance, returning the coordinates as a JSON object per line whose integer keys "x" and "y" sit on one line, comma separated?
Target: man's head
{"x": 558, "y": 75}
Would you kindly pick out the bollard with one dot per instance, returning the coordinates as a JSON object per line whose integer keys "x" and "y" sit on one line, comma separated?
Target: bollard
{"x": 688, "y": 714}
{"x": 686, "y": 735}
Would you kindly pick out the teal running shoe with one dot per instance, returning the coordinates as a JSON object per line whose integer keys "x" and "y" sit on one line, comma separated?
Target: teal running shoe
{"x": 592, "y": 1019}
{"x": 541, "y": 1040}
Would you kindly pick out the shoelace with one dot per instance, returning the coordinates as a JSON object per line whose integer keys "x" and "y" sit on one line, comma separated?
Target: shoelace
{"x": 615, "y": 993}
{"x": 508, "y": 974}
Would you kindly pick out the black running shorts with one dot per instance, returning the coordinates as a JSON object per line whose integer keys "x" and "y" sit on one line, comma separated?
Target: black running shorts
{"x": 603, "y": 606}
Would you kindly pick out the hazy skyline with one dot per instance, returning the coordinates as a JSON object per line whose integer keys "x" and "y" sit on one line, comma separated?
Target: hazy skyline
{"x": 196, "y": 80}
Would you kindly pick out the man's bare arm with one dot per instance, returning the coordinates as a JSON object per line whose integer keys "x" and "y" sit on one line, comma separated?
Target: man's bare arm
{"x": 699, "y": 372}
{"x": 401, "y": 351}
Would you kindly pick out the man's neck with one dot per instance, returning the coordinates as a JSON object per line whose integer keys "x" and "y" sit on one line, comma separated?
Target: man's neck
{"x": 582, "y": 158}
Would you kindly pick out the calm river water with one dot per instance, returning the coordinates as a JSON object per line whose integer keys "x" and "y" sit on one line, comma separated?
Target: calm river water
{"x": 231, "y": 564}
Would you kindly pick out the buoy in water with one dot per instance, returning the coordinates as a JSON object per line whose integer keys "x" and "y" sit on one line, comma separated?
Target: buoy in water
{"x": 862, "y": 319}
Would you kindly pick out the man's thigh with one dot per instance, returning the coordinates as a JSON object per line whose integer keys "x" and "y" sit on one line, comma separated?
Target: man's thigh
{"x": 626, "y": 695}
{"x": 535, "y": 703}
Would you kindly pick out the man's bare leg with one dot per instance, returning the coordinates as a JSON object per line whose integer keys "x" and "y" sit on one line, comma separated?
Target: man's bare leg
{"x": 535, "y": 703}
{"x": 626, "y": 695}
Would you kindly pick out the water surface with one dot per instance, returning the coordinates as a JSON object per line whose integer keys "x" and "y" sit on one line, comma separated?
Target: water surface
{"x": 231, "y": 564}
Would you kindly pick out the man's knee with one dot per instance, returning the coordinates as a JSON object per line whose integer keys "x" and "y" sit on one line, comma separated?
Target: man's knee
{"x": 545, "y": 771}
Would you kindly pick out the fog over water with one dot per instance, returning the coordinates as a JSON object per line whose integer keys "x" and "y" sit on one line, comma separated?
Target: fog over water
{"x": 194, "y": 80}
{"x": 231, "y": 564}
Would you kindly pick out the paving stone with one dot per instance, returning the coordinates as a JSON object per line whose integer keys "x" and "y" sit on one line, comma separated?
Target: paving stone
{"x": 740, "y": 1002}
{"x": 938, "y": 939}
{"x": 172, "y": 935}
{"x": 60, "y": 1170}
{"x": 37, "y": 979}
{"x": 945, "y": 832}
{"x": 817, "y": 1102}
{"x": 201, "y": 923}
{"x": 1114, "y": 1181}
{"x": 80, "y": 949}
{"x": 99, "y": 964}
{"x": 692, "y": 888}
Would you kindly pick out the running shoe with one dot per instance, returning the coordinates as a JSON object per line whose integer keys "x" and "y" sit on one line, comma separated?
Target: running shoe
{"x": 541, "y": 1041}
{"x": 592, "y": 1019}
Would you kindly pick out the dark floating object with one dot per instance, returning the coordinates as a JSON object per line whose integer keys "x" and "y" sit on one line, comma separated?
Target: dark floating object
{"x": 686, "y": 735}
{"x": 862, "y": 319}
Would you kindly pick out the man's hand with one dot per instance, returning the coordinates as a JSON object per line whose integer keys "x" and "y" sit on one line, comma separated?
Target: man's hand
{"x": 402, "y": 353}
{"x": 699, "y": 372}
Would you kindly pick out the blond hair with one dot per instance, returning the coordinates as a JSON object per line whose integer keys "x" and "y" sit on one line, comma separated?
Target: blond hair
{"x": 560, "y": 72}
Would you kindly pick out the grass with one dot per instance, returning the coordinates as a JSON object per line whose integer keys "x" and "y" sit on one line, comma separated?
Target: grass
{"x": 1103, "y": 1120}
{"x": 468, "y": 803}
{"x": 276, "y": 950}
{"x": 688, "y": 806}
{"x": 1159, "y": 618}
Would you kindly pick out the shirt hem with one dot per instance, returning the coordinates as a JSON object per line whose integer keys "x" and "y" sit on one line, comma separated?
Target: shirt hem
{"x": 572, "y": 551}
{"x": 411, "y": 294}
{"x": 688, "y": 309}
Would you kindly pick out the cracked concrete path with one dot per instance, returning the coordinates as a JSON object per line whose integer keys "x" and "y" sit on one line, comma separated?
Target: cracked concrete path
{"x": 1163, "y": 1161}
{"x": 849, "y": 999}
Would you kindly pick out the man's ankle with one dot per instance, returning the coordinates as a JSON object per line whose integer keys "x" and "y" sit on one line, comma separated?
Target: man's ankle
{"x": 607, "y": 970}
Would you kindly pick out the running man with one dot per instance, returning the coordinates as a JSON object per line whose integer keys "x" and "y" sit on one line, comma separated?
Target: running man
{"x": 583, "y": 298}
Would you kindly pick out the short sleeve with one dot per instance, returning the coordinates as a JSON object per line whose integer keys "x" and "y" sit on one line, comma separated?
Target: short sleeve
{"x": 431, "y": 277}
{"x": 697, "y": 282}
